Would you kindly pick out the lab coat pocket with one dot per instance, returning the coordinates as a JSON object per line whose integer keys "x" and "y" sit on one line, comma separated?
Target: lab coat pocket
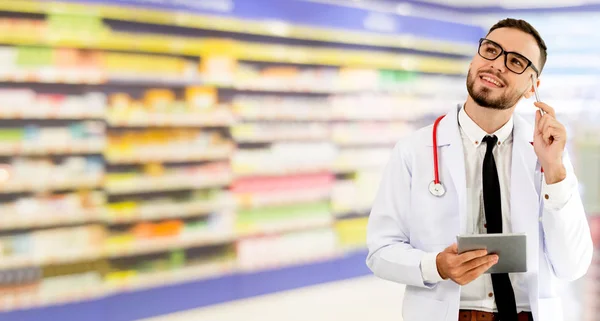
{"x": 550, "y": 309}
{"x": 419, "y": 308}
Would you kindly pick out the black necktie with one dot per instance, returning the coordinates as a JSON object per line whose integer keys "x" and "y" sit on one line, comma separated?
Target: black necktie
{"x": 505, "y": 296}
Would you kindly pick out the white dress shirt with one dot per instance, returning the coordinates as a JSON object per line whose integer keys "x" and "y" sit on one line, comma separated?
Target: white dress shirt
{"x": 479, "y": 294}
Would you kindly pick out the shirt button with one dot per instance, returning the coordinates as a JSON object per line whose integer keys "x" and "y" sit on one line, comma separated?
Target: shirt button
{"x": 476, "y": 142}
{"x": 499, "y": 143}
{"x": 547, "y": 196}
{"x": 540, "y": 219}
{"x": 491, "y": 294}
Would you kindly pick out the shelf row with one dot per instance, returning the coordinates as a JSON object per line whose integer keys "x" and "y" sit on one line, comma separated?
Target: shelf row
{"x": 29, "y": 32}
{"x": 184, "y": 18}
{"x": 139, "y": 184}
{"x": 221, "y": 269}
{"x": 223, "y": 116}
{"x": 157, "y": 245}
{"x": 19, "y": 217}
{"x": 313, "y": 240}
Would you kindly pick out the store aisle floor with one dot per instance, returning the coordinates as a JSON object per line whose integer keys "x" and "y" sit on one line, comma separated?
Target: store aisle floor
{"x": 357, "y": 299}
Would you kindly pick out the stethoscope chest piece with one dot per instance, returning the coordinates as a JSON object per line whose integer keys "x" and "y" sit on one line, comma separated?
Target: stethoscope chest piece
{"x": 437, "y": 189}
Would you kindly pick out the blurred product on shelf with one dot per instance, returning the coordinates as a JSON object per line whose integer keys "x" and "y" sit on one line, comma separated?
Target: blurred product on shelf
{"x": 51, "y": 246}
{"x": 159, "y": 107}
{"x": 66, "y": 65}
{"x": 170, "y": 268}
{"x": 384, "y": 107}
{"x": 283, "y": 218}
{"x": 160, "y": 178}
{"x": 260, "y": 133}
{"x": 284, "y": 159}
{"x": 333, "y": 79}
{"x": 85, "y": 137}
{"x": 34, "y": 286}
{"x": 27, "y": 104}
{"x": 45, "y": 174}
{"x": 166, "y": 145}
{"x": 19, "y": 282}
{"x": 355, "y": 196}
{"x": 48, "y": 210}
{"x": 369, "y": 134}
{"x": 273, "y": 191}
{"x": 351, "y": 233}
{"x": 198, "y": 203}
{"x": 339, "y": 107}
{"x": 197, "y": 100}
{"x": 273, "y": 251}
{"x": 351, "y": 159}
{"x": 68, "y": 281}
{"x": 155, "y": 237}
{"x": 278, "y": 108}
{"x": 291, "y": 78}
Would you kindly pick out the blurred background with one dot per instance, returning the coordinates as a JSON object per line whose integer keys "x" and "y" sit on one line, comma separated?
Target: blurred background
{"x": 158, "y": 156}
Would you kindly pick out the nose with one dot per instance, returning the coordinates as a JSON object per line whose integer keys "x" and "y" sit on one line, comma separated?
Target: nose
{"x": 498, "y": 64}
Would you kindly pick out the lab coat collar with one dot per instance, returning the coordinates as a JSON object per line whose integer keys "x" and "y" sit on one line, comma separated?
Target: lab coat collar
{"x": 448, "y": 132}
{"x": 476, "y": 134}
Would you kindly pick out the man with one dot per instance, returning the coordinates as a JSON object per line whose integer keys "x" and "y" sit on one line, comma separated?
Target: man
{"x": 500, "y": 176}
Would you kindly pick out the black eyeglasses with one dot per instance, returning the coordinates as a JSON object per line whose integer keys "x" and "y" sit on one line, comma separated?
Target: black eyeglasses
{"x": 514, "y": 61}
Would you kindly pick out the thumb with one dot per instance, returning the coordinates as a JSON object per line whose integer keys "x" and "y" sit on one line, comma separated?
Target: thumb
{"x": 452, "y": 249}
{"x": 538, "y": 117}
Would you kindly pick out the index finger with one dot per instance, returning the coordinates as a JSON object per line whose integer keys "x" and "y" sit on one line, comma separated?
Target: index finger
{"x": 471, "y": 255}
{"x": 546, "y": 108}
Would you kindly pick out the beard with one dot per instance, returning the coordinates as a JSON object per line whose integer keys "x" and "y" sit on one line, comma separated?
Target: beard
{"x": 483, "y": 96}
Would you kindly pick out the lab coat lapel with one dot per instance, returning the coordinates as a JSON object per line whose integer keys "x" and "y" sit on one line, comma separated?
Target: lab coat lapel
{"x": 524, "y": 198}
{"x": 452, "y": 160}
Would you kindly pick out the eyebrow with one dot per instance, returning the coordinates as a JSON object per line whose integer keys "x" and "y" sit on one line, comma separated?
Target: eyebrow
{"x": 501, "y": 46}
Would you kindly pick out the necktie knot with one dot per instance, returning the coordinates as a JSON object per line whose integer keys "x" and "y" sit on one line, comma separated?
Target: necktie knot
{"x": 491, "y": 141}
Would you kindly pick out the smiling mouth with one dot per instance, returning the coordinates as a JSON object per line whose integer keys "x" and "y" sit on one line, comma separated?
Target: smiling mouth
{"x": 491, "y": 82}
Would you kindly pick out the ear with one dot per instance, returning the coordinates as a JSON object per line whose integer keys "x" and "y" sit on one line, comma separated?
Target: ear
{"x": 529, "y": 93}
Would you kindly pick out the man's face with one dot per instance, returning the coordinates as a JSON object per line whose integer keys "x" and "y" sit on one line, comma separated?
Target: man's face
{"x": 511, "y": 86}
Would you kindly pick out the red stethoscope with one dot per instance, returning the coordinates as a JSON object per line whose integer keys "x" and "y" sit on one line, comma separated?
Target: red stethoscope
{"x": 436, "y": 188}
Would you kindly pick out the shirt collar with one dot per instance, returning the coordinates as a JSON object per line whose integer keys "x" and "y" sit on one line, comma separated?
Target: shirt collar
{"x": 475, "y": 134}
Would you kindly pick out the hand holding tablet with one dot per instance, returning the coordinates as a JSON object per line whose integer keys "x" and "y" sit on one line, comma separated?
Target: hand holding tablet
{"x": 510, "y": 248}
{"x": 463, "y": 268}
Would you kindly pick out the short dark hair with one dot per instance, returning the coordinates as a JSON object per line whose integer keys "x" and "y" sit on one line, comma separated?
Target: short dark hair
{"x": 527, "y": 28}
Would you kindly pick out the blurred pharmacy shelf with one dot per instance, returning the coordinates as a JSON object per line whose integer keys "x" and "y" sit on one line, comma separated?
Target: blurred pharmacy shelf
{"x": 218, "y": 156}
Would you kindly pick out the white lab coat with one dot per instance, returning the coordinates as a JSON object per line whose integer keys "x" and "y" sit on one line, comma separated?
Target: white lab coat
{"x": 406, "y": 221}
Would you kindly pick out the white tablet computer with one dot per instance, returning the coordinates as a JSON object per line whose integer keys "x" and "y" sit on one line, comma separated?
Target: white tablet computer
{"x": 511, "y": 250}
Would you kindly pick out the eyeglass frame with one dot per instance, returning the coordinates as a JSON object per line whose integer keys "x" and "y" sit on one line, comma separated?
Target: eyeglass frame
{"x": 505, "y": 53}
